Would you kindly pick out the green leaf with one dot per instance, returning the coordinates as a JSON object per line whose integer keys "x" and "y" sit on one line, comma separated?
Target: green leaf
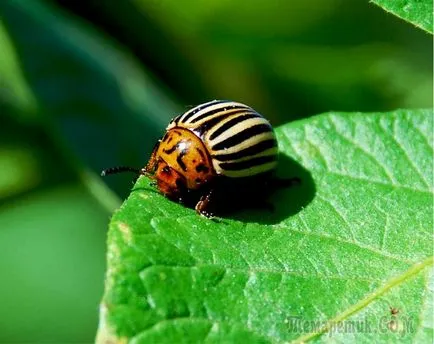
{"x": 82, "y": 82}
{"x": 352, "y": 241}
{"x": 417, "y": 12}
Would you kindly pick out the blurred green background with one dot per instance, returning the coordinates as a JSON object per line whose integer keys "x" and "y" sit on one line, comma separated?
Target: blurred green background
{"x": 92, "y": 84}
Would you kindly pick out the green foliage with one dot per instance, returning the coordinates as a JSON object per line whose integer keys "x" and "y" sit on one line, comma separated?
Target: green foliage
{"x": 417, "y": 12}
{"x": 85, "y": 86}
{"x": 51, "y": 276}
{"x": 288, "y": 59}
{"x": 84, "y": 83}
{"x": 352, "y": 241}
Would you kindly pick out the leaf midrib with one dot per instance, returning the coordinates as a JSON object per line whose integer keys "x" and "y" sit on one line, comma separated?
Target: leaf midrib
{"x": 392, "y": 282}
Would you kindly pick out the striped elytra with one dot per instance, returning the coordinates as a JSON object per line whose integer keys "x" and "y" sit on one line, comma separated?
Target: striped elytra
{"x": 239, "y": 141}
{"x": 220, "y": 153}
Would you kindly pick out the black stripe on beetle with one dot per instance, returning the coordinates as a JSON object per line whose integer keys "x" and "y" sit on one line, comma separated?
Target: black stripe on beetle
{"x": 223, "y": 110}
{"x": 207, "y": 125}
{"x": 249, "y": 151}
{"x": 242, "y": 136}
{"x": 176, "y": 120}
{"x": 243, "y": 165}
{"x": 194, "y": 111}
{"x": 229, "y": 124}
{"x": 212, "y": 122}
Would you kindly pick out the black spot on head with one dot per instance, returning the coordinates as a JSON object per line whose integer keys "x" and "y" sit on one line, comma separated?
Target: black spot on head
{"x": 171, "y": 149}
{"x": 178, "y": 182}
{"x": 179, "y": 160}
{"x": 202, "y": 154}
{"x": 202, "y": 168}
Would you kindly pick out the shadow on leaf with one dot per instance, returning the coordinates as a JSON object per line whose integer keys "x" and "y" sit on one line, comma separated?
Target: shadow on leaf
{"x": 253, "y": 204}
{"x": 283, "y": 202}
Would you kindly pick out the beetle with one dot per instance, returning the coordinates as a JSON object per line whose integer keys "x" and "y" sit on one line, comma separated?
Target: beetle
{"x": 218, "y": 153}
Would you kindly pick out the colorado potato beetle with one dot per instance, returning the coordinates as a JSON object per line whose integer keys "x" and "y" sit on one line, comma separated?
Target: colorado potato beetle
{"x": 214, "y": 155}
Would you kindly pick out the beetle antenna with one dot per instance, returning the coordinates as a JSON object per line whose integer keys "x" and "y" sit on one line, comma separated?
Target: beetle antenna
{"x": 120, "y": 169}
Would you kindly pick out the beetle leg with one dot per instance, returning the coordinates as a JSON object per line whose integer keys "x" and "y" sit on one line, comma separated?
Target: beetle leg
{"x": 203, "y": 207}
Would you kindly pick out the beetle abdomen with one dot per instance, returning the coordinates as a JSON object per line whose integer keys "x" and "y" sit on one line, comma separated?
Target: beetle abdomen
{"x": 239, "y": 140}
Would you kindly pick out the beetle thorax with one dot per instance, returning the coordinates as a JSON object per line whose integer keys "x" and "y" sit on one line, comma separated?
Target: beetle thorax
{"x": 183, "y": 154}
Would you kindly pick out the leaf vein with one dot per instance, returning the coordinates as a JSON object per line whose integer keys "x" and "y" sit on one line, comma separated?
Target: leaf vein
{"x": 369, "y": 154}
{"x": 394, "y": 281}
